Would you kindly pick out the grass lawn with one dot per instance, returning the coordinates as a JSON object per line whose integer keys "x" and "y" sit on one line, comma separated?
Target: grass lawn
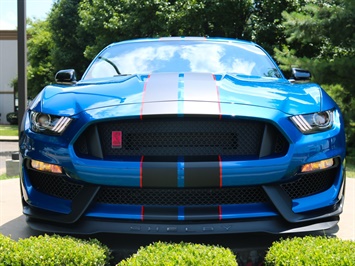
{"x": 350, "y": 166}
{"x": 350, "y": 170}
{"x": 8, "y": 130}
{"x": 4, "y": 177}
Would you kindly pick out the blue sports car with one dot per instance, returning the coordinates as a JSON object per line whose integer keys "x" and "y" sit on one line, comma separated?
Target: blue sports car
{"x": 182, "y": 135}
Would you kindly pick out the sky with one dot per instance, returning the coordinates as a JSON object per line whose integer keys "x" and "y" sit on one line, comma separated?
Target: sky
{"x": 38, "y": 9}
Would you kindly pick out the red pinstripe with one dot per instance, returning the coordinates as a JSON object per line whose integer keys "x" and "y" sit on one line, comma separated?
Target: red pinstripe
{"x": 142, "y": 213}
{"x": 141, "y": 172}
{"x": 220, "y": 171}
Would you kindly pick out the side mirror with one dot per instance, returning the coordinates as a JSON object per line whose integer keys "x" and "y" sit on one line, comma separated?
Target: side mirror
{"x": 66, "y": 76}
{"x": 299, "y": 74}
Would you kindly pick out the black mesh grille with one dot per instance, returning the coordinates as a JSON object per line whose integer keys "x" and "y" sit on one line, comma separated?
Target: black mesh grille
{"x": 54, "y": 185}
{"x": 280, "y": 145}
{"x": 311, "y": 183}
{"x": 184, "y": 138}
{"x": 181, "y": 137}
{"x": 182, "y": 197}
{"x": 60, "y": 186}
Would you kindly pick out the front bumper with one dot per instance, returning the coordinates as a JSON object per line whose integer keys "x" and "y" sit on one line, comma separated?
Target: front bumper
{"x": 276, "y": 217}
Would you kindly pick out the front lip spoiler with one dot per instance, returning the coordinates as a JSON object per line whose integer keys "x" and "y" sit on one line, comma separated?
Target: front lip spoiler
{"x": 283, "y": 204}
{"x": 267, "y": 225}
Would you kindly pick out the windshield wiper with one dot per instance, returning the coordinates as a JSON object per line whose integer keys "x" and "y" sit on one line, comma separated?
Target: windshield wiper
{"x": 111, "y": 63}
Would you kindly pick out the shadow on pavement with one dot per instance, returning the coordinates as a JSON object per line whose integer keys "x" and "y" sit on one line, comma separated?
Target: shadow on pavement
{"x": 250, "y": 249}
{"x": 18, "y": 228}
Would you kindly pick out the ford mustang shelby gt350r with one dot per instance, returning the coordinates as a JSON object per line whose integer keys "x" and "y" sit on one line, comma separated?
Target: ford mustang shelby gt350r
{"x": 182, "y": 136}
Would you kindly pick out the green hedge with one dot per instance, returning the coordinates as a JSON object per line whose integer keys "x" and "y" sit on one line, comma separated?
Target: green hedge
{"x": 161, "y": 253}
{"x": 56, "y": 250}
{"x": 7, "y": 250}
{"x": 311, "y": 251}
{"x": 52, "y": 250}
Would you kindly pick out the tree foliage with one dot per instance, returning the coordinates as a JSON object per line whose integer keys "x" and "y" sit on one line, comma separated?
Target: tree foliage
{"x": 114, "y": 20}
{"x": 69, "y": 39}
{"x": 265, "y": 22}
{"x": 40, "y": 70}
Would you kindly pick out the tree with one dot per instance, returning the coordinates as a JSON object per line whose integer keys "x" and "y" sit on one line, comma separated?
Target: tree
{"x": 212, "y": 18}
{"x": 56, "y": 43}
{"x": 114, "y": 20}
{"x": 68, "y": 38}
{"x": 40, "y": 71}
{"x": 265, "y": 22}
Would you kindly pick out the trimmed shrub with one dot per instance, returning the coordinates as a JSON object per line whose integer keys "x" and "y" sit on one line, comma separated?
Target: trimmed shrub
{"x": 161, "y": 253}
{"x": 310, "y": 250}
{"x": 54, "y": 250}
{"x": 7, "y": 250}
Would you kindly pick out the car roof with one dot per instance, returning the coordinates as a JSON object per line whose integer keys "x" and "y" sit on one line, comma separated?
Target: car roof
{"x": 186, "y": 38}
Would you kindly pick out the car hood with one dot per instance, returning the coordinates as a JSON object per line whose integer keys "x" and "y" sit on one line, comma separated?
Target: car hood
{"x": 175, "y": 88}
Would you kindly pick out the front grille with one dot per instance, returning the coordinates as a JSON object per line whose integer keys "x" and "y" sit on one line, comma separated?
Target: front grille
{"x": 311, "y": 183}
{"x": 182, "y": 137}
{"x": 182, "y": 196}
{"x": 60, "y": 186}
{"x": 53, "y": 184}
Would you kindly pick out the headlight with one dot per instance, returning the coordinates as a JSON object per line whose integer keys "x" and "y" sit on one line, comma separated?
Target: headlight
{"x": 316, "y": 122}
{"x": 49, "y": 124}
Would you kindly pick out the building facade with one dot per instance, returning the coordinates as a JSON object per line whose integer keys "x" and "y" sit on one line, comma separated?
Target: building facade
{"x": 8, "y": 72}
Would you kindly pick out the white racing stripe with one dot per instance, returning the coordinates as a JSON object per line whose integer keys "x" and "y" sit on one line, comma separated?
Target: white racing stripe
{"x": 162, "y": 88}
{"x": 201, "y": 94}
{"x": 164, "y": 93}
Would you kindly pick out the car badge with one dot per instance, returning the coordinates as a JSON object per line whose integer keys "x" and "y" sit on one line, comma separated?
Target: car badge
{"x": 116, "y": 139}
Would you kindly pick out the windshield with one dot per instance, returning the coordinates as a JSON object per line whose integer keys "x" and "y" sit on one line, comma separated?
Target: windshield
{"x": 182, "y": 56}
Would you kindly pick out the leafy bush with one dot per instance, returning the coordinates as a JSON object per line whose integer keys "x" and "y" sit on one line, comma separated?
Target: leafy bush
{"x": 53, "y": 250}
{"x": 161, "y": 253}
{"x": 311, "y": 251}
{"x": 7, "y": 249}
